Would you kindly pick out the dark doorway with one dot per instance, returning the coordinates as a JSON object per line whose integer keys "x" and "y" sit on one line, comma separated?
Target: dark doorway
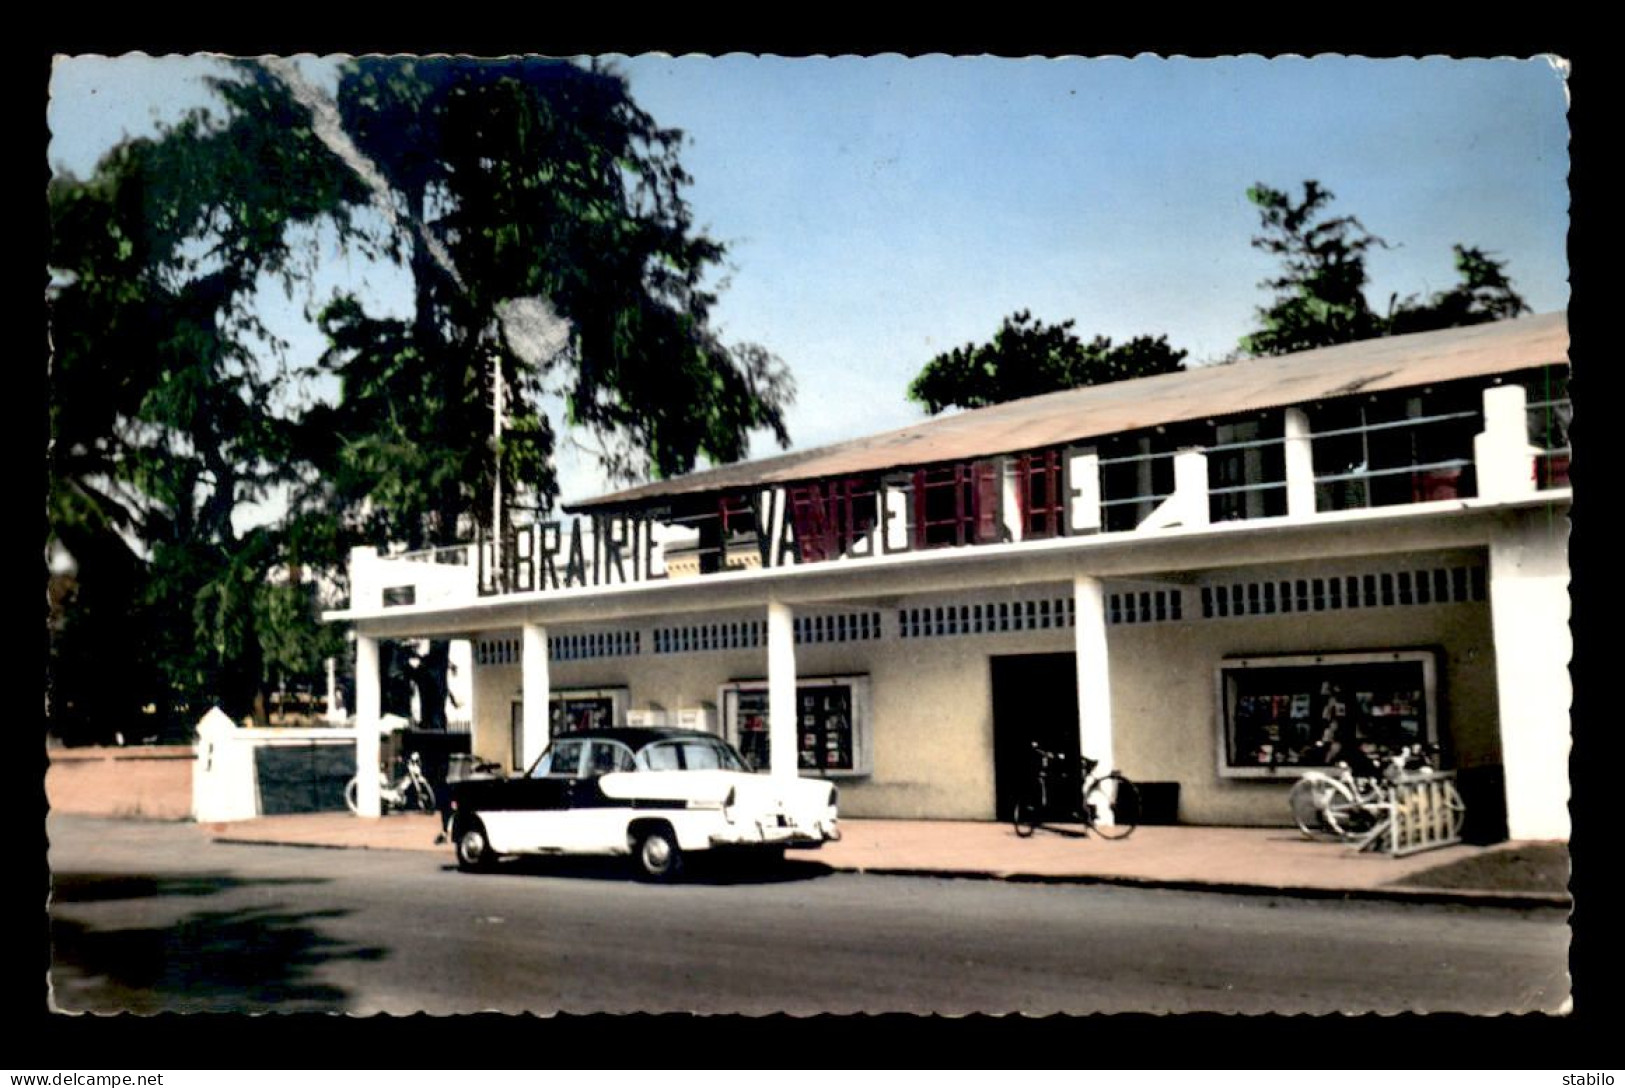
{"x": 1035, "y": 701}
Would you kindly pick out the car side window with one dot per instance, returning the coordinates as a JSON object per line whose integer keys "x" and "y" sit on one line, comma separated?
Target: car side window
{"x": 699, "y": 756}
{"x": 661, "y": 757}
{"x": 607, "y": 757}
{"x": 563, "y": 760}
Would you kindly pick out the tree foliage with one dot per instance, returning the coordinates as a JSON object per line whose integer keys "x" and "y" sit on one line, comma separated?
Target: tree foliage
{"x": 1485, "y": 293}
{"x": 1027, "y": 357}
{"x": 1320, "y": 291}
{"x": 504, "y": 189}
{"x": 1319, "y": 294}
{"x": 543, "y": 184}
{"x": 161, "y": 375}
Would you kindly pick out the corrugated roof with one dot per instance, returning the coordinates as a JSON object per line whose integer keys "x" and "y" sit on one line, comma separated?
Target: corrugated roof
{"x": 1209, "y": 392}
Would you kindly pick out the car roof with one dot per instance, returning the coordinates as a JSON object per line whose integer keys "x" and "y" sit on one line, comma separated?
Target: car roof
{"x": 637, "y": 737}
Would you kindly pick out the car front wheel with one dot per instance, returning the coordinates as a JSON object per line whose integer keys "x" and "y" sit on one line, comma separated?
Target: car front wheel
{"x": 658, "y": 855}
{"x": 474, "y": 849}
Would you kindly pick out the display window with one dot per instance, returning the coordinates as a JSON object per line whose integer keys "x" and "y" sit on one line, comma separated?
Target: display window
{"x": 1294, "y": 713}
{"x": 831, "y": 724}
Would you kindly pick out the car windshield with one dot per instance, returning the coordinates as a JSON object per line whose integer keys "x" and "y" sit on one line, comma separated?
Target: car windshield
{"x": 698, "y": 754}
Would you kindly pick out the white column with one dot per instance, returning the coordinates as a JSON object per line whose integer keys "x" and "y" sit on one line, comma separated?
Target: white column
{"x": 1503, "y": 455}
{"x": 1188, "y": 505}
{"x": 1094, "y": 674}
{"x": 368, "y": 706}
{"x": 781, "y": 690}
{"x": 364, "y": 581}
{"x": 537, "y": 685}
{"x": 1529, "y": 610}
{"x": 1300, "y": 465}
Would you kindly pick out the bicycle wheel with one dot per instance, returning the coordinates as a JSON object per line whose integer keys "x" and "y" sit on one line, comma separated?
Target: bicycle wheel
{"x": 1308, "y": 800}
{"x": 1115, "y": 798}
{"x": 1027, "y": 816}
{"x": 1347, "y": 816}
{"x": 1458, "y": 810}
{"x": 422, "y": 794}
{"x": 350, "y": 789}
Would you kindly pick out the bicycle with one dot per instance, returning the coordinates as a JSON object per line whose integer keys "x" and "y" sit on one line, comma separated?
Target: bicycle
{"x": 1108, "y": 804}
{"x": 1358, "y": 807}
{"x": 411, "y": 790}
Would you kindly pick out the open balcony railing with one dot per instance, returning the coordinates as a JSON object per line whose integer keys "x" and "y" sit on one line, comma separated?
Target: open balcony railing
{"x": 1549, "y": 433}
{"x": 1302, "y": 461}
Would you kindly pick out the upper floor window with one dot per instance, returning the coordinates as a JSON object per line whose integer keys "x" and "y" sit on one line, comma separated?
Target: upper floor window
{"x": 1386, "y": 450}
{"x": 832, "y": 516}
{"x": 1246, "y": 469}
{"x": 1041, "y": 490}
{"x": 957, "y": 504}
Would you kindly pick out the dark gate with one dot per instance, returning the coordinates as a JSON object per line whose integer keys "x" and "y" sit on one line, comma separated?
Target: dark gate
{"x": 1035, "y": 701}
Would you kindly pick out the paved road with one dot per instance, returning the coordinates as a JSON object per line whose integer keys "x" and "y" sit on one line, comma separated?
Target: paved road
{"x": 152, "y": 917}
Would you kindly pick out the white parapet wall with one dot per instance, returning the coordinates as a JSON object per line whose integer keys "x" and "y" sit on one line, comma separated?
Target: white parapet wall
{"x": 440, "y": 576}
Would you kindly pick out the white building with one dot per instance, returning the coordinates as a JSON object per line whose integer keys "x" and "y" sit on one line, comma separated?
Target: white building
{"x": 1176, "y": 575}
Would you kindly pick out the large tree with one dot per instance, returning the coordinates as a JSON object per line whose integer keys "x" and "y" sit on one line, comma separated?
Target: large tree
{"x": 1027, "y": 357}
{"x": 528, "y": 192}
{"x": 1320, "y": 291}
{"x": 540, "y": 216}
{"x": 160, "y": 384}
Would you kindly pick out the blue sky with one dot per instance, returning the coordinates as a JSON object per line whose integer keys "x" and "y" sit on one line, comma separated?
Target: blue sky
{"x": 881, "y": 210}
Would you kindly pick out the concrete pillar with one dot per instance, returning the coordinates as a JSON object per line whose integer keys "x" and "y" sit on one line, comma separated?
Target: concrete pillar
{"x": 537, "y": 685}
{"x": 1188, "y": 505}
{"x": 1529, "y": 610}
{"x": 368, "y": 709}
{"x": 781, "y": 690}
{"x": 365, "y": 591}
{"x": 1190, "y": 486}
{"x": 1502, "y": 454}
{"x": 1094, "y": 673}
{"x": 224, "y": 784}
{"x": 1300, "y": 465}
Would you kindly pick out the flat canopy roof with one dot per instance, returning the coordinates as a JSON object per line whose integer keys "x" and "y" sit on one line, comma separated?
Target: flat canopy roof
{"x": 1209, "y": 392}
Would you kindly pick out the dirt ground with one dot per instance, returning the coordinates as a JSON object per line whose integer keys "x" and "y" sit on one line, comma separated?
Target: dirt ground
{"x": 1527, "y": 867}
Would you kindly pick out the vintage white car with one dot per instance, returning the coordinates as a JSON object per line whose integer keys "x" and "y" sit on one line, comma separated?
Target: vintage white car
{"x": 653, "y": 794}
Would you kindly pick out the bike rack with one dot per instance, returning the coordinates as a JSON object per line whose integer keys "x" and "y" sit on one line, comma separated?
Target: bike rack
{"x": 1418, "y": 812}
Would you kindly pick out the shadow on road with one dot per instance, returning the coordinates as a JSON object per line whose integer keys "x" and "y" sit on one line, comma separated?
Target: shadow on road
{"x": 105, "y": 887}
{"x": 251, "y": 959}
{"x": 697, "y": 870}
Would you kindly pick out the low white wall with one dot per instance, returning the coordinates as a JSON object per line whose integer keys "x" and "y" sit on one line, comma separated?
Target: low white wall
{"x": 225, "y": 784}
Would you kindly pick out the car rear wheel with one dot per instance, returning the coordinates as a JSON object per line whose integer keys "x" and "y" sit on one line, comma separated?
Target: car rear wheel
{"x": 658, "y": 855}
{"x": 474, "y": 849}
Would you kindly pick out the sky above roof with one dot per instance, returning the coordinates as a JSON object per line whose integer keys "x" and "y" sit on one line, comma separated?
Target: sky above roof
{"x": 880, "y": 210}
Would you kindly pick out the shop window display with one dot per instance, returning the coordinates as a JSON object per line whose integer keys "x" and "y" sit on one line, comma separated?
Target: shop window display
{"x": 1287, "y": 713}
{"x": 830, "y": 724}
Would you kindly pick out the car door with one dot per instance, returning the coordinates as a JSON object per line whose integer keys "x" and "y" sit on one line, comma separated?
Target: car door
{"x": 534, "y": 811}
{"x": 596, "y": 821}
